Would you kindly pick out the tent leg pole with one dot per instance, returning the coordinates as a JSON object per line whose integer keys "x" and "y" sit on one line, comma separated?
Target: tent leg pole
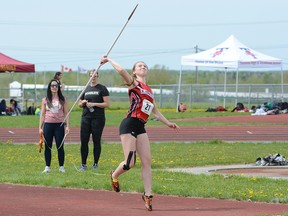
{"x": 225, "y": 80}
{"x": 35, "y": 90}
{"x": 282, "y": 85}
{"x": 237, "y": 74}
{"x": 179, "y": 89}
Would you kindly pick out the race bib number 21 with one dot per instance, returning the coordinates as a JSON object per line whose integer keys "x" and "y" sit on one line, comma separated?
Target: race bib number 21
{"x": 147, "y": 107}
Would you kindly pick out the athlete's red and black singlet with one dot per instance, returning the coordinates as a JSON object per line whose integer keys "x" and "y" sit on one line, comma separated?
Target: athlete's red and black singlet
{"x": 141, "y": 102}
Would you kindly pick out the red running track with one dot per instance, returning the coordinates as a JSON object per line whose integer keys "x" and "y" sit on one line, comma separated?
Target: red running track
{"x": 160, "y": 134}
{"x": 34, "y": 200}
{"x": 273, "y": 129}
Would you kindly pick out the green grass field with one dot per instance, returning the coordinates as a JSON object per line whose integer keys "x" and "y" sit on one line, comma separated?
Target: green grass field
{"x": 23, "y": 164}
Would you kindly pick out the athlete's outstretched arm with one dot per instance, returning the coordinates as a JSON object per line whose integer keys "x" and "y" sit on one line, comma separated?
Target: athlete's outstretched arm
{"x": 120, "y": 70}
{"x": 163, "y": 119}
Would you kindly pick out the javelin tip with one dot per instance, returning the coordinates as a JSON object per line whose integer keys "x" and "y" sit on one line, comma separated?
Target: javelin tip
{"x": 132, "y": 12}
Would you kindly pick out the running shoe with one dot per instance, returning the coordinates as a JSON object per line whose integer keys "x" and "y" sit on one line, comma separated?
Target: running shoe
{"x": 115, "y": 183}
{"x": 148, "y": 201}
{"x": 95, "y": 166}
{"x": 47, "y": 170}
{"x": 61, "y": 169}
{"x": 83, "y": 167}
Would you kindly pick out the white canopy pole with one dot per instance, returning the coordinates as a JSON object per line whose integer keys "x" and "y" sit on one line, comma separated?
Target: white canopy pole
{"x": 237, "y": 74}
{"x": 225, "y": 79}
{"x": 179, "y": 89}
{"x": 282, "y": 85}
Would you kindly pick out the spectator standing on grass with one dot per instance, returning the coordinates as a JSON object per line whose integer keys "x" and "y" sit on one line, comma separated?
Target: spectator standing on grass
{"x": 58, "y": 77}
{"x": 132, "y": 129}
{"x": 93, "y": 102}
{"x": 53, "y": 111}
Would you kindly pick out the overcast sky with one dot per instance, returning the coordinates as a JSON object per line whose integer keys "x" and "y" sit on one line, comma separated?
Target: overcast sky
{"x": 77, "y": 33}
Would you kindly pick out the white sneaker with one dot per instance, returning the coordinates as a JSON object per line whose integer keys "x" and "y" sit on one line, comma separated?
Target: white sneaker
{"x": 95, "y": 166}
{"x": 47, "y": 170}
{"x": 83, "y": 167}
{"x": 61, "y": 169}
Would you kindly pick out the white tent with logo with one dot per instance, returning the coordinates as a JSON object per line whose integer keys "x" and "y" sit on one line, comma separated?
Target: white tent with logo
{"x": 230, "y": 54}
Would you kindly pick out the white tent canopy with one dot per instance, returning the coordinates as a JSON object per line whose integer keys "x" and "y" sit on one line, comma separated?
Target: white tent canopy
{"x": 230, "y": 54}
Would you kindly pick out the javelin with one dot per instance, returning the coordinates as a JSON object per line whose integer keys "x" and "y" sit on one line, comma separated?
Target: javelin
{"x": 95, "y": 71}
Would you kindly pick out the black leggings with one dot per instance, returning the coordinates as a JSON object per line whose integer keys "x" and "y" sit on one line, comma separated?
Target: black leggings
{"x": 95, "y": 127}
{"x": 54, "y": 130}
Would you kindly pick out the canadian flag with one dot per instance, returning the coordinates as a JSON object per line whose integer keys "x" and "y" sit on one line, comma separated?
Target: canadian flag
{"x": 65, "y": 69}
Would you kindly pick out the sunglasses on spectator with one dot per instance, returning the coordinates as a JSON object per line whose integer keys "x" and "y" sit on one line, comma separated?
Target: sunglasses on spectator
{"x": 54, "y": 86}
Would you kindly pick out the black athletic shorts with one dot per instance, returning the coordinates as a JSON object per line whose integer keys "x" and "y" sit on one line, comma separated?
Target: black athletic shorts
{"x": 133, "y": 126}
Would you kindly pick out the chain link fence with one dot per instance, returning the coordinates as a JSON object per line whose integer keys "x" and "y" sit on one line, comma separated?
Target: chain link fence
{"x": 194, "y": 95}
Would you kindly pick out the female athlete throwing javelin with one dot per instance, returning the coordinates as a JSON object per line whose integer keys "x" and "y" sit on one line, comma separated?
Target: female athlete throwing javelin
{"x": 132, "y": 128}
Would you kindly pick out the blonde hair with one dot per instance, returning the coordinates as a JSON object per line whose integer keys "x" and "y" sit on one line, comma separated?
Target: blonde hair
{"x": 92, "y": 71}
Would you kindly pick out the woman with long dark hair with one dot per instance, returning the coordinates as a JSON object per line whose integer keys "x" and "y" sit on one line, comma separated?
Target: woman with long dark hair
{"x": 53, "y": 111}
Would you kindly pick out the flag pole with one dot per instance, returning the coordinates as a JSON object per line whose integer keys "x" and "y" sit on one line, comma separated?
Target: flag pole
{"x": 78, "y": 78}
{"x": 96, "y": 71}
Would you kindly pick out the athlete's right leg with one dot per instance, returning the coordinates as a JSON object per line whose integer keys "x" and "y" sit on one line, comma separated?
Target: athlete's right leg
{"x": 128, "y": 132}
{"x": 128, "y": 145}
{"x": 129, "y": 148}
